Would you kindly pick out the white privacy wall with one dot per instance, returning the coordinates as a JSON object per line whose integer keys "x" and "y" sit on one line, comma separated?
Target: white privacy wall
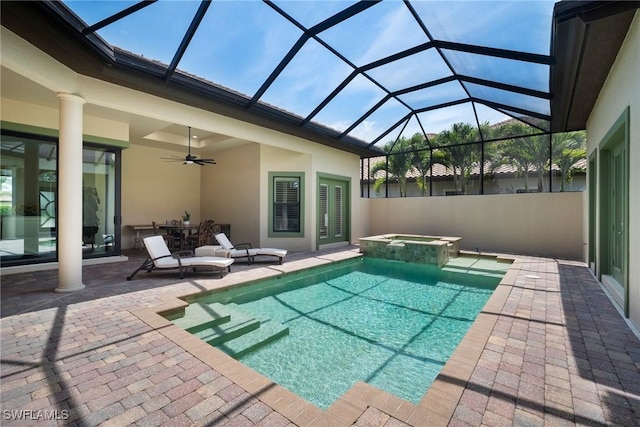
{"x": 545, "y": 224}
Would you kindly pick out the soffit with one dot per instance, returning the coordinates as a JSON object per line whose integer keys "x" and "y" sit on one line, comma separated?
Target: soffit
{"x": 587, "y": 39}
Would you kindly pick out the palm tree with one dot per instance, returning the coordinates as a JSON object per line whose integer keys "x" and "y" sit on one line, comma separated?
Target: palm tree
{"x": 459, "y": 154}
{"x": 399, "y": 165}
{"x": 421, "y": 160}
{"x": 526, "y": 152}
{"x": 568, "y": 148}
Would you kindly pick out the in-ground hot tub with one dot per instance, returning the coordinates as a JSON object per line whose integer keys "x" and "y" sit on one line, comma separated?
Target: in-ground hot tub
{"x": 411, "y": 248}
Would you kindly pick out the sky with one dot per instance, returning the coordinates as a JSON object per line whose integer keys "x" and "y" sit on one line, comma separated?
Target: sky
{"x": 239, "y": 43}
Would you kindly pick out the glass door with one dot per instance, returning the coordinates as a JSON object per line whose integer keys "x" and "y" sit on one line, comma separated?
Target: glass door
{"x": 28, "y": 199}
{"x": 333, "y": 212}
{"x": 99, "y": 236}
{"x": 613, "y": 209}
{"x": 29, "y": 194}
{"x": 618, "y": 210}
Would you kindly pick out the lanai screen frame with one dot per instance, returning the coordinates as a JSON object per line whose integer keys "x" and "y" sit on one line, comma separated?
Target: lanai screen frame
{"x": 253, "y": 103}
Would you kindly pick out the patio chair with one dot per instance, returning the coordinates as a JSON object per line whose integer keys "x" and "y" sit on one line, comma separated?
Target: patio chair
{"x": 245, "y": 250}
{"x": 160, "y": 258}
{"x": 202, "y": 237}
{"x": 170, "y": 239}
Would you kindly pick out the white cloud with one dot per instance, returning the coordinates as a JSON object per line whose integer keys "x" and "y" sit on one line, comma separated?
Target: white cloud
{"x": 395, "y": 30}
{"x": 367, "y": 131}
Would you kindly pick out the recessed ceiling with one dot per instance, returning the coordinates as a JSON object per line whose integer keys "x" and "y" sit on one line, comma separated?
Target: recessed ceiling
{"x": 142, "y": 130}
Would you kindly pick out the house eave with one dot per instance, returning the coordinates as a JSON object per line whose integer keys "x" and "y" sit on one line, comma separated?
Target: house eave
{"x": 585, "y": 41}
{"x": 41, "y": 25}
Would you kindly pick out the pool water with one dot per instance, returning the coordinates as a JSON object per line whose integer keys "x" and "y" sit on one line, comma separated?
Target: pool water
{"x": 388, "y": 323}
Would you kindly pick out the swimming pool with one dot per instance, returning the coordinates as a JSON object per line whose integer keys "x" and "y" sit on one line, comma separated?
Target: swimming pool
{"x": 388, "y": 323}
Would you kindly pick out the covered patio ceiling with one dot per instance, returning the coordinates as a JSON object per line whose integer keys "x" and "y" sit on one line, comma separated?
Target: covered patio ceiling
{"x": 352, "y": 74}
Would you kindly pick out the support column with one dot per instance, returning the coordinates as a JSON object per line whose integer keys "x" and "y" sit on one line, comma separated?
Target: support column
{"x": 69, "y": 201}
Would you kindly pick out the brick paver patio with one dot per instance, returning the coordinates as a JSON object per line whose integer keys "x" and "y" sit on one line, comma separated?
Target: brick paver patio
{"x": 548, "y": 349}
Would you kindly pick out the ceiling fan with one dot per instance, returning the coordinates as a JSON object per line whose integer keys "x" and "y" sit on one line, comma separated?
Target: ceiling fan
{"x": 190, "y": 159}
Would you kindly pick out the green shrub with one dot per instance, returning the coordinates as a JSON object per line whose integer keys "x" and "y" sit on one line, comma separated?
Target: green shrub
{"x": 6, "y": 209}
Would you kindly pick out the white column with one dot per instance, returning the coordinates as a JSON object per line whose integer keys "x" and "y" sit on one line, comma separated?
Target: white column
{"x": 69, "y": 201}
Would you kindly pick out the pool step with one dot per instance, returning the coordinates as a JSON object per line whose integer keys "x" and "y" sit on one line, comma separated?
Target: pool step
{"x": 239, "y": 324}
{"x": 267, "y": 332}
{"x": 229, "y": 327}
{"x": 199, "y": 316}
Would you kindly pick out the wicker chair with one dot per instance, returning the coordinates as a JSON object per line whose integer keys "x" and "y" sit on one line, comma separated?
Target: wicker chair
{"x": 171, "y": 240}
{"x": 203, "y": 237}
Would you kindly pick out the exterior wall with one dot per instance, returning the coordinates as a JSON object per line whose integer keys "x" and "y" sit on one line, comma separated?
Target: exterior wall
{"x": 273, "y": 159}
{"x": 230, "y": 192}
{"x": 546, "y": 224}
{"x": 326, "y": 161}
{"x": 622, "y": 90}
{"x": 156, "y": 190}
{"x": 48, "y": 118}
{"x": 312, "y": 159}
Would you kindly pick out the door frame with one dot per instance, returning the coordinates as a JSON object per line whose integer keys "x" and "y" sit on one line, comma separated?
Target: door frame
{"x": 321, "y": 178}
{"x": 617, "y": 138}
{"x": 592, "y": 183}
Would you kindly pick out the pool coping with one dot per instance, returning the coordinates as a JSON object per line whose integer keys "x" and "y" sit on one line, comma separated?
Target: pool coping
{"x": 436, "y": 407}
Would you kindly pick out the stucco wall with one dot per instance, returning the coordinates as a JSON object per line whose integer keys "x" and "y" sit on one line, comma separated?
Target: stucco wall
{"x": 622, "y": 90}
{"x": 327, "y": 161}
{"x": 156, "y": 190}
{"x": 49, "y": 118}
{"x": 312, "y": 159}
{"x": 547, "y": 224}
{"x": 273, "y": 159}
{"x": 230, "y": 192}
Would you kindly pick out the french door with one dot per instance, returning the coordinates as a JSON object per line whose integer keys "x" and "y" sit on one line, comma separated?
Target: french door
{"x": 333, "y": 211}
{"x": 613, "y": 203}
{"x": 618, "y": 226}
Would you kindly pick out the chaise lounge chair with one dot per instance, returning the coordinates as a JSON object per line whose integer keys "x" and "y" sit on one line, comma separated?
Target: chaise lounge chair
{"x": 244, "y": 250}
{"x": 160, "y": 258}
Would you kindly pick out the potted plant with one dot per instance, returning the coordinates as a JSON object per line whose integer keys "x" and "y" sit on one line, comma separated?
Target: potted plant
{"x": 186, "y": 217}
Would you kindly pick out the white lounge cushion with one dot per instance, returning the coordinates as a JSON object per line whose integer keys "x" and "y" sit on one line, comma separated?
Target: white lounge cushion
{"x": 211, "y": 250}
{"x": 161, "y": 258}
{"x": 272, "y": 252}
{"x": 218, "y": 251}
{"x": 239, "y": 253}
{"x": 224, "y": 241}
{"x": 233, "y": 251}
{"x": 249, "y": 252}
{"x": 206, "y": 261}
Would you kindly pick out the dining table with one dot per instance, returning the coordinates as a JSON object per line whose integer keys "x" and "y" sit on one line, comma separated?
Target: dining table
{"x": 181, "y": 231}
{"x": 138, "y": 228}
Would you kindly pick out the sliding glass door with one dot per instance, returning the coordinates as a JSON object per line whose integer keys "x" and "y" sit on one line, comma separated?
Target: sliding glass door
{"x": 28, "y": 197}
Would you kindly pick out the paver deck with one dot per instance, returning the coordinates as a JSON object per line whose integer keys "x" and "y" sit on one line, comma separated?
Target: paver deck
{"x": 548, "y": 349}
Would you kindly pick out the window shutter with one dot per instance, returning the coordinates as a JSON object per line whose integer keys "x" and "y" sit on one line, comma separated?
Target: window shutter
{"x": 338, "y": 221}
{"x": 286, "y": 212}
{"x": 324, "y": 212}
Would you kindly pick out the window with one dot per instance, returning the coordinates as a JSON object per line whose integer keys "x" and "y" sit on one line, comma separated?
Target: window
{"x": 286, "y": 204}
{"x": 286, "y": 210}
